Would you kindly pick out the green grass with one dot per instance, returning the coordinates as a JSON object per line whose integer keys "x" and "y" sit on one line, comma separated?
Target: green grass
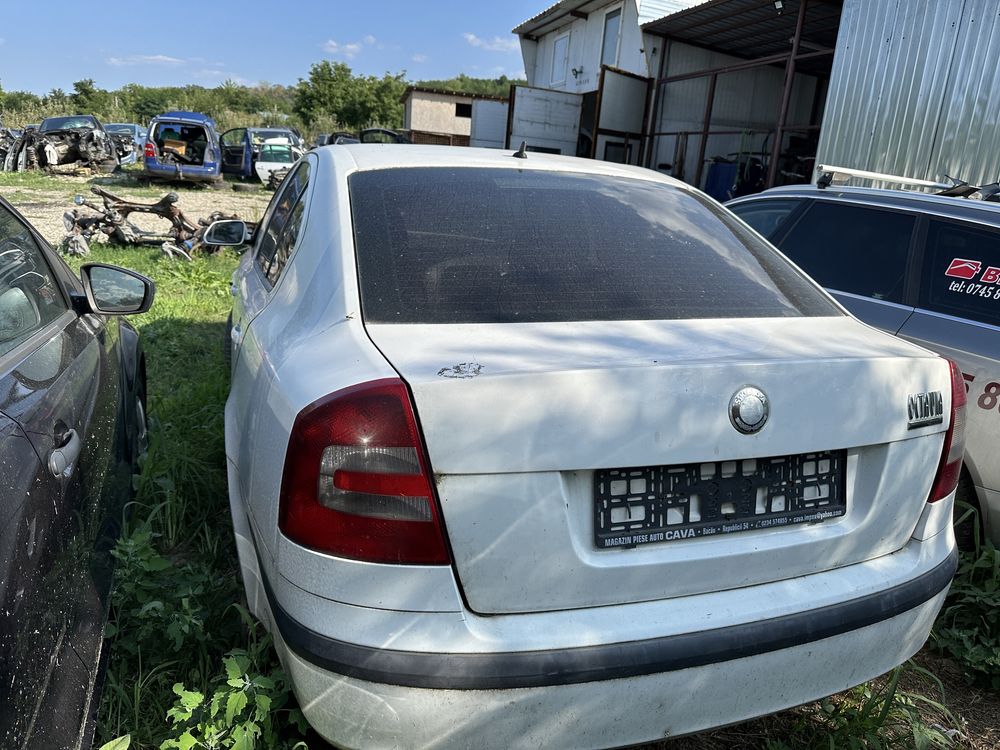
{"x": 177, "y": 628}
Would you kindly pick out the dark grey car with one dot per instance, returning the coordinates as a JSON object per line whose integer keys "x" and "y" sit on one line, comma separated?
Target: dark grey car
{"x": 923, "y": 267}
{"x": 72, "y": 425}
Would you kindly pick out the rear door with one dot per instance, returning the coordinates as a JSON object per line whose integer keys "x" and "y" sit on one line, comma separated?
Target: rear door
{"x": 59, "y": 385}
{"x": 958, "y": 315}
{"x": 235, "y": 152}
{"x": 862, "y": 255}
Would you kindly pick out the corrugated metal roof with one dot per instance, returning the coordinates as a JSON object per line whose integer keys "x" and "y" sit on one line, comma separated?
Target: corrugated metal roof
{"x": 751, "y": 28}
{"x": 563, "y": 6}
{"x": 449, "y": 92}
{"x": 650, "y": 10}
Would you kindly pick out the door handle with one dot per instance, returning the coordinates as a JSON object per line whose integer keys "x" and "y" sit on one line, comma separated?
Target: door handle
{"x": 61, "y": 459}
{"x": 236, "y": 334}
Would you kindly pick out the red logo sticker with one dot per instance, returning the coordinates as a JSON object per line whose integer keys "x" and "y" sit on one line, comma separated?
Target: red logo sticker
{"x": 961, "y": 268}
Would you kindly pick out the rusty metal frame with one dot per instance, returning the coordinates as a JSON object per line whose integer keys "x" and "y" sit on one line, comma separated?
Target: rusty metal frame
{"x": 789, "y": 60}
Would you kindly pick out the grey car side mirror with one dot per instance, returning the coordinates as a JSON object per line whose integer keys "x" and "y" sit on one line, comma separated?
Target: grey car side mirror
{"x": 112, "y": 290}
{"x": 227, "y": 232}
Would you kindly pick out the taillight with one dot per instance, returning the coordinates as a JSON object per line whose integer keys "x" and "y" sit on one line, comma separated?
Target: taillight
{"x": 149, "y": 152}
{"x": 357, "y": 481}
{"x": 950, "y": 466}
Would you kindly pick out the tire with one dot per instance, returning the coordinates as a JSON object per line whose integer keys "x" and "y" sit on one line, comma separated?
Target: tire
{"x": 966, "y": 536}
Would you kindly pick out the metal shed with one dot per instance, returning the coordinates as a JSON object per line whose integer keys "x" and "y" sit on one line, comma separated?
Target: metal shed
{"x": 741, "y": 92}
{"x": 751, "y": 95}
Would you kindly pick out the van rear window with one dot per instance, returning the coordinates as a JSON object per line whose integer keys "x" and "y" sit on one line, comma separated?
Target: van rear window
{"x": 481, "y": 245}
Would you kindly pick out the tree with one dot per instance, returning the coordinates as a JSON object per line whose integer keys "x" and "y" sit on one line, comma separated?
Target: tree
{"x": 88, "y": 99}
{"x": 332, "y": 91}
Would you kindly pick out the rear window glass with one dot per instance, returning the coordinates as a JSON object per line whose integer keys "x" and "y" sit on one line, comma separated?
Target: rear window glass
{"x": 852, "y": 248}
{"x": 961, "y": 274}
{"x": 473, "y": 245}
{"x": 765, "y": 215}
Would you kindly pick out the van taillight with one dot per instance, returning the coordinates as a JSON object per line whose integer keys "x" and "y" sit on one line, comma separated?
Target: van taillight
{"x": 357, "y": 482}
{"x": 950, "y": 466}
{"x": 149, "y": 152}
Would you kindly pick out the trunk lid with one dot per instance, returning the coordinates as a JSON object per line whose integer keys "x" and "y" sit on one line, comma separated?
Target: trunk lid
{"x": 518, "y": 417}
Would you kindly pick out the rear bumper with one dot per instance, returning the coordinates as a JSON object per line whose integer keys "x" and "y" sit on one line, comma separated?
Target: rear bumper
{"x": 387, "y": 679}
{"x": 354, "y": 713}
{"x": 567, "y": 666}
{"x": 187, "y": 173}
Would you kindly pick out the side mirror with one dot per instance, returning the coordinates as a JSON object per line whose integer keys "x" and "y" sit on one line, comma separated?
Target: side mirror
{"x": 227, "y": 232}
{"x": 116, "y": 291}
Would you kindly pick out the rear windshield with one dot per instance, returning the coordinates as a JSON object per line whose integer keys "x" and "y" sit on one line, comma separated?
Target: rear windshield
{"x": 473, "y": 245}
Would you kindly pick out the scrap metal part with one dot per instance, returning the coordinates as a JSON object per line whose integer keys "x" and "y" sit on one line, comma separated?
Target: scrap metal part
{"x": 113, "y": 223}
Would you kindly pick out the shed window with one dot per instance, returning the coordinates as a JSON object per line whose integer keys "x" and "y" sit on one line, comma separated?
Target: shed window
{"x": 463, "y": 109}
{"x": 612, "y": 27}
{"x": 560, "y": 59}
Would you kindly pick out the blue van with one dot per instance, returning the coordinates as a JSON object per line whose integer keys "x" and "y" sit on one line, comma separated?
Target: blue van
{"x": 183, "y": 146}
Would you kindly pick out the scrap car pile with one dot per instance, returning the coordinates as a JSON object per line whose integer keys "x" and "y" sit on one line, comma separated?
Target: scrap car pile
{"x": 78, "y": 144}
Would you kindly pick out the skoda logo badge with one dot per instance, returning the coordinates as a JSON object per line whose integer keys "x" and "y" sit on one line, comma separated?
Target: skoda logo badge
{"x": 748, "y": 409}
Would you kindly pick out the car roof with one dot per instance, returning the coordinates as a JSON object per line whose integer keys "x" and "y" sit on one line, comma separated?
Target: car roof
{"x": 943, "y": 205}
{"x": 369, "y": 156}
{"x": 182, "y": 115}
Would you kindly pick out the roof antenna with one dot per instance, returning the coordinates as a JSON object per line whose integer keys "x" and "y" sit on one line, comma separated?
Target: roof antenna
{"x": 521, "y": 153}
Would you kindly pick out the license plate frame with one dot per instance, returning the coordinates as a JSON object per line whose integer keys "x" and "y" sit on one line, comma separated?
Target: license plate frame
{"x": 670, "y": 503}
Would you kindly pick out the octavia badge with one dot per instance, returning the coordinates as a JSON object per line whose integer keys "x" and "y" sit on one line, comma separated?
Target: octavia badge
{"x": 748, "y": 410}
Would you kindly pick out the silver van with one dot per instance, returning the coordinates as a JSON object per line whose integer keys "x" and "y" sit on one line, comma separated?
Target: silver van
{"x": 923, "y": 267}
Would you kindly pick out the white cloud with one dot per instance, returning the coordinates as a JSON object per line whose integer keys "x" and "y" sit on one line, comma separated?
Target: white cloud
{"x": 344, "y": 50}
{"x": 496, "y": 44}
{"x": 351, "y": 49}
{"x": 145, "y": 60}
{"x": 420, "y": 57}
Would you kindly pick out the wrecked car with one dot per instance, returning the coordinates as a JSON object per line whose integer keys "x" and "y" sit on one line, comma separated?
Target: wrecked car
{"x": 183, "y": 147}
{"x": 114, "y": 223}
{"x": 134, "y": 132}
{"x": 67, "y": 145}
{"x": 274, "y": 157}
{"x": 242, "y": 147}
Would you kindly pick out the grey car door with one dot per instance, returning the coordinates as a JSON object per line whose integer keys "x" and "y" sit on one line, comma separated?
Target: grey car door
{"x": 58, "y": 386}
{"x": 958, "y": 315}
{"x": 860, "y": 254}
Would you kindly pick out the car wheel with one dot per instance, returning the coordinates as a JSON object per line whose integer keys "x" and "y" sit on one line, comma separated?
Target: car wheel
{"x": 968, "y": 525}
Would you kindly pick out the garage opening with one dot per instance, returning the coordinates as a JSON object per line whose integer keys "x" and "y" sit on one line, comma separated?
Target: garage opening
{"x": 741, "y": 92}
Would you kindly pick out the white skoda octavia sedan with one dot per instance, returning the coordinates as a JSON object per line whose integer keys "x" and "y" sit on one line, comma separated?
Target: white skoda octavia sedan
{"x": 547, "y": 452}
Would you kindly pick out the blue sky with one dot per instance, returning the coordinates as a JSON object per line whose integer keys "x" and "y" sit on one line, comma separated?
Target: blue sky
{"x": 208, "y": 41}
